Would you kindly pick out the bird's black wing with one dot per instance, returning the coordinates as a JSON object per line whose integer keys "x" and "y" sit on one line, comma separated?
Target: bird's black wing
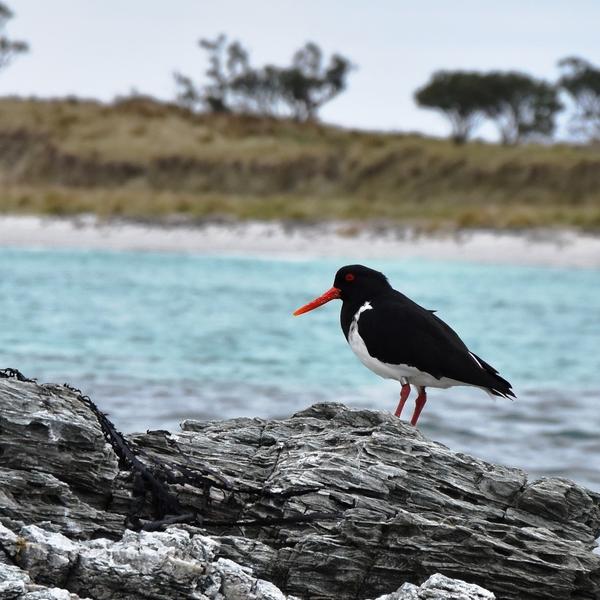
{"x": 399, "y": 331}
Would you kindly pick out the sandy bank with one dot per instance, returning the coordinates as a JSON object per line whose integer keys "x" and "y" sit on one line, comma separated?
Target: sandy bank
{"x": 558, "y": 248}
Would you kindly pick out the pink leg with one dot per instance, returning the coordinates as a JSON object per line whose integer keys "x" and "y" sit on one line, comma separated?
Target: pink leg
{"x": 419, "y": 404}
{"x": 403, "y": 398}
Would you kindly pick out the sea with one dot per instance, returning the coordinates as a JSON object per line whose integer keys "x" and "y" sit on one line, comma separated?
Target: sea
{"x": 156, "y": 338}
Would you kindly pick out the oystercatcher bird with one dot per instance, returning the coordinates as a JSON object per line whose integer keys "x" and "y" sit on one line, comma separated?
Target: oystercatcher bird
{"x": 398, "y": 339}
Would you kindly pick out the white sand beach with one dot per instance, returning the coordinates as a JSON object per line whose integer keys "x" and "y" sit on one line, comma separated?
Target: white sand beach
{"x": 272, "y": 239}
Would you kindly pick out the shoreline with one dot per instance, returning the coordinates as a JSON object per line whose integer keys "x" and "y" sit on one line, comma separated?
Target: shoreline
{"x": 560, "y": 247}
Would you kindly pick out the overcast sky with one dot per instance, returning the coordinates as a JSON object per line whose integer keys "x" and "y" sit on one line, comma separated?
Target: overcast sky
{"x": 102, "y": 48}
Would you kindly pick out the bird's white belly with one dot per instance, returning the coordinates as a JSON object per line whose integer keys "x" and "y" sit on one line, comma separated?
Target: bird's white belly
{"x": 390, "y": 371}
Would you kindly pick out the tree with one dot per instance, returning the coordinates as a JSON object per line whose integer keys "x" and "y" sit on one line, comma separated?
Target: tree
{"x": 259, "y": 92}
{"x": 461, "y": 96}
{"x": 308, "y": 84}
{"x": 581, "y": 80}
{"x": 226, "y": 63}
{"x": 233, "y": 84}
{"x": 8, "y": 48}
{"x": 522, "y": 106}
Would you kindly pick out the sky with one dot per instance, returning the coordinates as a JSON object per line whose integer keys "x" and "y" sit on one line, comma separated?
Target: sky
{"x": 103, "y": 48}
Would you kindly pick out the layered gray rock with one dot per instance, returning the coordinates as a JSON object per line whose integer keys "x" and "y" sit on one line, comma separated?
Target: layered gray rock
{"x": 160, "y": 565}
{"x": 394, "y": 506}
{"x": 169, "y": 565}
{"x": 438, "y": 587}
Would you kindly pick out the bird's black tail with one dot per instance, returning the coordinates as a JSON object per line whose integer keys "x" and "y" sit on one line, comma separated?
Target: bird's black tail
{"x": 498, "y": 386}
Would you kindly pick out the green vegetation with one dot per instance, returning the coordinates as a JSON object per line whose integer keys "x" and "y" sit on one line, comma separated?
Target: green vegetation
{"x": 521, "y": 106}
{"x": 296, "y": 91}
{"x": 581, "y": 80}
{"x": 8, "y": 48}
{"x": 142, "y": 159}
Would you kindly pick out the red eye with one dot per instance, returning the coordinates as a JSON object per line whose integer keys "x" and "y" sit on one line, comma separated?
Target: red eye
{"x": 349, "y": 277}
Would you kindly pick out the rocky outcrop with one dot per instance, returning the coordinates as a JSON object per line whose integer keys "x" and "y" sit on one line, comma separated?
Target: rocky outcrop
{"x": 329, "y": 503}
{"x": 159, "y": 565}
{"x": 165, "y": 566}
{"x": 438, "y": 587}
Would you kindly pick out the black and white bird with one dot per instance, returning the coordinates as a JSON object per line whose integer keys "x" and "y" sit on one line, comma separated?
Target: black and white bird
{"x": 398, "y": 339}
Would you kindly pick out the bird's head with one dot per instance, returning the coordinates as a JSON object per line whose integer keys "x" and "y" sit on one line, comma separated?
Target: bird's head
{"x": 352, "y": 283}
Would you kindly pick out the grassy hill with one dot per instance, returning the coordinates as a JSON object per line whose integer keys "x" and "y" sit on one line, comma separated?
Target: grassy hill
{"x": 140, "y": 158}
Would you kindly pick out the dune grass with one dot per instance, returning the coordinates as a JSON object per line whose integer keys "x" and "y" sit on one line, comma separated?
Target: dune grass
{"x": 142, "y": 159}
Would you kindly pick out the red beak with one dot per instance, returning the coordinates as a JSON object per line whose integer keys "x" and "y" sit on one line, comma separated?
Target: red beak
{"x": 331, "y": 294}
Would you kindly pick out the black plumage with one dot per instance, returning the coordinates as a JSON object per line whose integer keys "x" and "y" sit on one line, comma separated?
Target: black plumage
{"x": 397, "y": 338}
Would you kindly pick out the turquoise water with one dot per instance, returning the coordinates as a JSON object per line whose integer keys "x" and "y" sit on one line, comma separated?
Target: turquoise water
{"x": 156, "y": 338}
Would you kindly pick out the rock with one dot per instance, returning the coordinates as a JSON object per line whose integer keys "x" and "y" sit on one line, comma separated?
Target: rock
{"x": 438, "y": 587}
{"x": 165, "y": 565}
{"x": 15, "y": 584}
{"x": 391, "y": 505}
{"x": 56, "y": 465}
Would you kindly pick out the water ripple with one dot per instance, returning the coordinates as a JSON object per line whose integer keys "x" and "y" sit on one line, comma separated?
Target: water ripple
{"x": 158, "y": 338}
